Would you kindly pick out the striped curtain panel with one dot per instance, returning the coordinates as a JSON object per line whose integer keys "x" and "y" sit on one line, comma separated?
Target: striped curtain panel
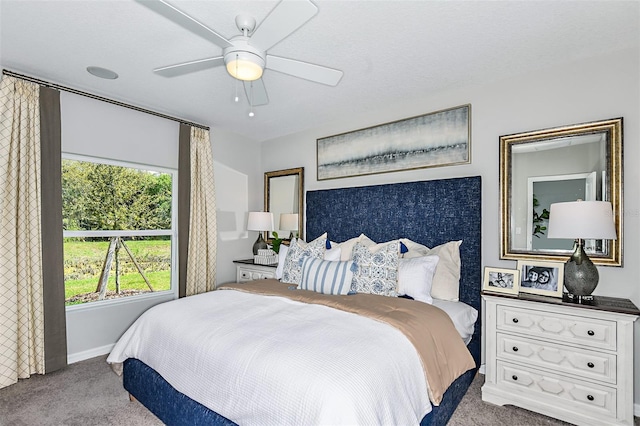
{"x": 203, "y": 235}
{"x": 21, "y": 288}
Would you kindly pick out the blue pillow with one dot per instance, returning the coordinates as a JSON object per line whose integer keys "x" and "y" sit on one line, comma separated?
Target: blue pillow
{"x": 328, "y": 244}
{"x": 326, "y": 277}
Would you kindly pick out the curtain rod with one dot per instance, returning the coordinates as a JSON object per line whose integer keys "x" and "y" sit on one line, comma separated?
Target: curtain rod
{"x": 99, "y": 98}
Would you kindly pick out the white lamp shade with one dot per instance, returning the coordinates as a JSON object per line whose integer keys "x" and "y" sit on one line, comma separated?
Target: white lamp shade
{"x": 289, "y": 221}
{"x": 582, "y": 219}
{"x": 260, "y": 221}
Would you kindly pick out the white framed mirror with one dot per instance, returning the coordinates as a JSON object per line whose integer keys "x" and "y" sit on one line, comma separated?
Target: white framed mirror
{"x": 538, "y": 168}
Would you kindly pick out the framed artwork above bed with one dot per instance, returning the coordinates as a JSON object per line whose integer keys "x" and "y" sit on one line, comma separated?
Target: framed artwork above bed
{"x": 440, "y": 138}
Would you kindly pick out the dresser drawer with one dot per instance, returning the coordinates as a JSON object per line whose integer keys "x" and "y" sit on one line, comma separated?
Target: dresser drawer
{"x": 564, "y": 359}
{"x": 566, "y": 329}
{"x": 557, "y": 390}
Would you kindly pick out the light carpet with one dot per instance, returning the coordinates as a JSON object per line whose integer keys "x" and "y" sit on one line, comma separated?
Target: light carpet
{"x": 89, "y": 393}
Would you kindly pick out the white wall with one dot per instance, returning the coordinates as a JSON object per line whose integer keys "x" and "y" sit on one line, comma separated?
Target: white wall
{"x": 243, "y": 156}
{"x": 595, "y": 89}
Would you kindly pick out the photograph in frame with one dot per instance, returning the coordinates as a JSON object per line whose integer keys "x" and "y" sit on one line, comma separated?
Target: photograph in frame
{"x": 543, "y": 278}
{"x": 501, "y": 280}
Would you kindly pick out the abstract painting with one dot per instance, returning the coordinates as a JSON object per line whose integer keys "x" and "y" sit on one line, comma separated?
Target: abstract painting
{"x": 436, "y": 139}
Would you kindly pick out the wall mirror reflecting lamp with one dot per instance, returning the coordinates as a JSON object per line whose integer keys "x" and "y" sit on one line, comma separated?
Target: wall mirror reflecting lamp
{"x": 289, "y": 222}
{"x": 563, "y": 164}
{"x": 284, "y": 197}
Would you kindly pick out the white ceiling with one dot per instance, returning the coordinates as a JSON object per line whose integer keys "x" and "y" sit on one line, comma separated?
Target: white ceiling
{"x": 388, "y": 50}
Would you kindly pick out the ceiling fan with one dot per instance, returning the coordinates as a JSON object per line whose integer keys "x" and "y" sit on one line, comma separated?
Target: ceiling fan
{"x": 245, "y": 56}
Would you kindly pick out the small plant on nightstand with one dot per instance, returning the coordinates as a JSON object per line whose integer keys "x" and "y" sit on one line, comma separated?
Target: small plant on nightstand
{"x": 276, "y": 242}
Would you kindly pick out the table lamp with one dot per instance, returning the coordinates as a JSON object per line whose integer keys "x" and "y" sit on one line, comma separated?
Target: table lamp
{"x": 262, "y": 222}
{"x": 289, "y": 222}
{"x": 580, "y": 220}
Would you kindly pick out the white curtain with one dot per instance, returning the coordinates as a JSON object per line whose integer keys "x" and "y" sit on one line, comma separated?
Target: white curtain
{"x": 201, "y": 261}
{"x": 21, "y": 300}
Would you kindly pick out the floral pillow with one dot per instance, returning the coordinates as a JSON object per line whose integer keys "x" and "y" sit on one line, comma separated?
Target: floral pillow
{"x": 376, "y": 271}
{"x": 292, "y": 269}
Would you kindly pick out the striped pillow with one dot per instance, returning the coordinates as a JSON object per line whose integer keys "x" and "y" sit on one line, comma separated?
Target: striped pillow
{"x": 326, "y": 277}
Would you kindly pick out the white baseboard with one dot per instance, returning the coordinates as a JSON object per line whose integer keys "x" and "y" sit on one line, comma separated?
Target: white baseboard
{"x": 91, "y": 353}
{"x": 636, "y": 410}
{"x": 482, "y": 369}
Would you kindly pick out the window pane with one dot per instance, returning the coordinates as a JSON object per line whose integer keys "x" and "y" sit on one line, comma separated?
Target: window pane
{"x": 106, "y": 197}
{"x": 85, "y": 259}
{"x": 127, "y": 201}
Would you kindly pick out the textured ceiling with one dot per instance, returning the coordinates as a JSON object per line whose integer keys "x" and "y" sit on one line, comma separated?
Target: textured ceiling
{"x": 388, "y": 50}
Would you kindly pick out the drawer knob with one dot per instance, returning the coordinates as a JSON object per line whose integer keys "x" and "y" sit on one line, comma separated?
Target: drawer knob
{"x": 514, "y": 377}
{"x": 515, "y": 320}
{"x": 590, "y": 365}
{"x": 515, "y": 349}
{"x": 591, "y": 332}
{"x": 590, "y": 397}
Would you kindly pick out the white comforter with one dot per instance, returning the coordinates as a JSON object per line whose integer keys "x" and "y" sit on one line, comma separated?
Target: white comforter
{"x": 269, "y": 360}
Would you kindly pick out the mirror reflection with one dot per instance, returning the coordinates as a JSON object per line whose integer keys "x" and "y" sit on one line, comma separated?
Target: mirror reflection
{"x": 554, "y": 165}
{"x": 283, "y": 196}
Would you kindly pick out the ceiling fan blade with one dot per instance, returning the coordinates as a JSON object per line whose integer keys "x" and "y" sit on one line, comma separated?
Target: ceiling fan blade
{"x": 189, "y": 67}
{"x": 258, "y": 94}
{"x": 284, "y": 19}
{"x": 311, "y": 72}
{"x": 177, "y": 16}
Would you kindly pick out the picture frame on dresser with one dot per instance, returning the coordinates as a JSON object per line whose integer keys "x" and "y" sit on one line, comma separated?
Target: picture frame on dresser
{"x": 501, "y": 280}
{"x": 543, "y": 278}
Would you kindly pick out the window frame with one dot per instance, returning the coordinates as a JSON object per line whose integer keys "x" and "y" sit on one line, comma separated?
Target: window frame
{"x": 173, "y": 233}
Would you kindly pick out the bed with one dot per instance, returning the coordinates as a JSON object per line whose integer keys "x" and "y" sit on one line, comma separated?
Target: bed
{"x": 428, "y": 212}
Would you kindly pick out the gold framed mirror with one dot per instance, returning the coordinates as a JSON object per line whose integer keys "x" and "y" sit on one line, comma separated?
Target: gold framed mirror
{"x": 284, "y": 197}
{"x": 537, "y": 168}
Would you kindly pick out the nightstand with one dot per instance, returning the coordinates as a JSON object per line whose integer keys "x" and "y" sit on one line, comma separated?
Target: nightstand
{"x": 562, "y": 359}
{"x": 247, "y": 270}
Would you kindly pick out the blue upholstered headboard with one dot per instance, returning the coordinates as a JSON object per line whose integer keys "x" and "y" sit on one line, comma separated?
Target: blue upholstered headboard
{"x": 428, "y": 212}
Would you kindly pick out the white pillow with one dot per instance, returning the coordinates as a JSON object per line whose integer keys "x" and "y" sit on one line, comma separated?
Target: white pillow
{"x": 446, "y": 280}
{"x": 292, "y": 271}
{"x": 333, "y": 254}
{"x": 373, "y": 246}
{"x": 462, "y": 315}
{"x": 282, "y": 255}
{"x": 415, "y": 277}
{"x": 414, "y": 249}
{"x": 346, "y": 247}
{"x": 325, "y": 276}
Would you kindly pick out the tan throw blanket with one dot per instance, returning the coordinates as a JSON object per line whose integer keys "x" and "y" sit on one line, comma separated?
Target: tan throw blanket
{"x": 443, "y": 354}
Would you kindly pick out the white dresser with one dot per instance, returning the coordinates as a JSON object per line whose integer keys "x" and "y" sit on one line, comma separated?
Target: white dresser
{"x": 564, "y": 360}
{"x": 247, "y": 270}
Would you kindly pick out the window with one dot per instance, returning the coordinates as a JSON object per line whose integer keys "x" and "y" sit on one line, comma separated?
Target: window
{"x": 118, "y": 222}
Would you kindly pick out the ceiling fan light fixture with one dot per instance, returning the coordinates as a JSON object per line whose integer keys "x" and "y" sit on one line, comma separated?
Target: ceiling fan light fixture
{"x": 244, "y": 66}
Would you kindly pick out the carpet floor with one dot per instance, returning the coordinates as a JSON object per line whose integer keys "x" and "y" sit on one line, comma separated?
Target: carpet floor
{"x": 89, "y": 393}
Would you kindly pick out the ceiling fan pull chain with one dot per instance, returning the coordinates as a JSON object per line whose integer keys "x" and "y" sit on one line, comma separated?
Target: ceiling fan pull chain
{"x": 236, "y": 99}
{"x": 251, "y": 114}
